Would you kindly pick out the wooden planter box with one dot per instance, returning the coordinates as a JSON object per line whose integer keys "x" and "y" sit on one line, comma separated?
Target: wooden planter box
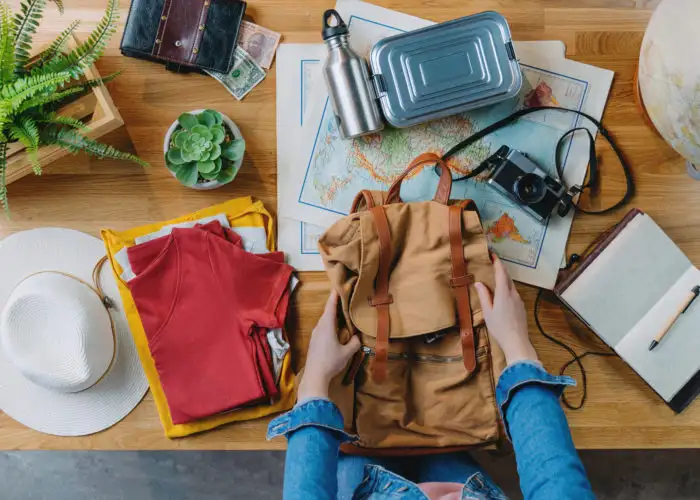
{"x": 96, "y": 109}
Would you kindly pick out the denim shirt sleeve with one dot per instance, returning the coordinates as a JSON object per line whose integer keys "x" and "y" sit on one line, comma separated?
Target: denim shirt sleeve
{"x": 548, "y": 464}
{"x": 314, "y": 431}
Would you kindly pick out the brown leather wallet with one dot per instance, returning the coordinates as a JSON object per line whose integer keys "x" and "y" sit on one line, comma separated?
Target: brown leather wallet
{"x": 186, "y": 35}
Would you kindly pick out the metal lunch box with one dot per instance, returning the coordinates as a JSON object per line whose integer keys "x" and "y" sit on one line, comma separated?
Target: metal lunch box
{"x": 445, "y": 69}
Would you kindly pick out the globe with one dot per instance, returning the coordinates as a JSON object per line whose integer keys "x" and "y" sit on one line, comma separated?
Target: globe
{"x": 669, "y": 75}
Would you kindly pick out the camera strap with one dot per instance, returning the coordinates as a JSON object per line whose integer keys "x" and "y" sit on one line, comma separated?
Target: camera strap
{"x": 594, "y": 171}
{"x": 593, "y": 178}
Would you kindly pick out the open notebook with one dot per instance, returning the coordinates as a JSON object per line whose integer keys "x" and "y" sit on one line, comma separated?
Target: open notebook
{"x": 627, "y": 290}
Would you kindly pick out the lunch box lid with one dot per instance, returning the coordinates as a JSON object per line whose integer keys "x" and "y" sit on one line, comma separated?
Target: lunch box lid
{"x": 445, "y": 69}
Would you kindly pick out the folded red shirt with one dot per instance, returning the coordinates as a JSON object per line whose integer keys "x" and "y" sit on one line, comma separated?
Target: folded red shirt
{"x": 204, "y": 301}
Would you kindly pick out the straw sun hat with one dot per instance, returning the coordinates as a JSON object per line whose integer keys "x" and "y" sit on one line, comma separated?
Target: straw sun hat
{"x": 68, "y": 364}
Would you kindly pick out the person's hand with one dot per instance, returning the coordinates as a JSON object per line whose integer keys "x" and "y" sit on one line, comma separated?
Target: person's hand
{"x": 326, "y": 356}
{"x": 505, "y": 316}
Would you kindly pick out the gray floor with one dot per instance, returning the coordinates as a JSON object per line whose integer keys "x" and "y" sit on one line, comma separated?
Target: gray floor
{"x": 649, "y": 475}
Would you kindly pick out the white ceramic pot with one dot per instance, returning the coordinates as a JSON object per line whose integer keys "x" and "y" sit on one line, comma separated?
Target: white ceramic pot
{"x": 208, "y": 185}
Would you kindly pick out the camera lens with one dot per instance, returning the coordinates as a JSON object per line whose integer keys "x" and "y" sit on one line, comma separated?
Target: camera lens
{"x": 529, "y": 188}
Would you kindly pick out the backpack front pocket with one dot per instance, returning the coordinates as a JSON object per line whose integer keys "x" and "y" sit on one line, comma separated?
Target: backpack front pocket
{"x": 428, "y": 398}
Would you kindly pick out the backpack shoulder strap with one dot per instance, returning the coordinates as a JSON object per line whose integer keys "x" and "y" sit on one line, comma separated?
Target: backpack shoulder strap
{"x": 460, "y": 283}
{"x": 382, "y": 298}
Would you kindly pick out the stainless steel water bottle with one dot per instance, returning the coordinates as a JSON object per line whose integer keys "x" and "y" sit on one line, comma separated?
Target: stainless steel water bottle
{"x": 347, "y": 79}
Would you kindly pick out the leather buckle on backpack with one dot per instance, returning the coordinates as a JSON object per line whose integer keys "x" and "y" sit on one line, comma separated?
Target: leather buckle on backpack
{"x": 381, "y": 301}
{"x": 459, "y": 281}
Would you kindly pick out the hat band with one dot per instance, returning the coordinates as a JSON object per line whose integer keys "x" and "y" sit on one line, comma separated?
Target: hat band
{"x": 106, "y": 302}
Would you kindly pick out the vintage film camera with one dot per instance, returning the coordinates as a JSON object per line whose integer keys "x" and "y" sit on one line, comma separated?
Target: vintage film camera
{"x": 515, "y": 175}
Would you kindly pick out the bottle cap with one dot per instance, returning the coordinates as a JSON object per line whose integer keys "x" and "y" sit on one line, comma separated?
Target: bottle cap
{"x": 330, "y": 31}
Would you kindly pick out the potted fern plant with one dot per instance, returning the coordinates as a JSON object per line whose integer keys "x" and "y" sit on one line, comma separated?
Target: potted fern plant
{"x": 33, "y": 89}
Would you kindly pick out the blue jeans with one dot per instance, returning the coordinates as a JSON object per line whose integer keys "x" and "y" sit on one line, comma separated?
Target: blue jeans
{"x": 528, "y": 398}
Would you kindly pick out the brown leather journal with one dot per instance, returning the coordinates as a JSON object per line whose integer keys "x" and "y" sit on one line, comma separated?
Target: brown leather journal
{"x": 627, "y": 289}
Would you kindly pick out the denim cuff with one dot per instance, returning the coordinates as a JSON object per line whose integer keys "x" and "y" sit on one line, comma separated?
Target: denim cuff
{"x": 521, "y": 374}
{"x": 316, "y": 412}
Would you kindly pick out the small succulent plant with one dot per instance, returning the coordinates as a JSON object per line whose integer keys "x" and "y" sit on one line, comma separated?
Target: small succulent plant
{"x": 203, "y": 149}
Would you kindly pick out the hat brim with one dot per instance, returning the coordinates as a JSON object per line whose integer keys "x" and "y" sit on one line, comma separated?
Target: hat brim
{"x": 121, "y": 389}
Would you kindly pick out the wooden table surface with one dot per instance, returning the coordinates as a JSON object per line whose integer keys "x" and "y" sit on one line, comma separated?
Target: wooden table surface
{"x": 88, "y": 194}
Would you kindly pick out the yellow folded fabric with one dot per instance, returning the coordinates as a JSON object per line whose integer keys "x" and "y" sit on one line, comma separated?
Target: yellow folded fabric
{"x": 241, "y": 212}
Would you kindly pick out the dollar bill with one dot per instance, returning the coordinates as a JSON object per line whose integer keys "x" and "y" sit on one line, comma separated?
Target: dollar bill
{"x": 261, "y": 43}
{"x": 243, "y": 77}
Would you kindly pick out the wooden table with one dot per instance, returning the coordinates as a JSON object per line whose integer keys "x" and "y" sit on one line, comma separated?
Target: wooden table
{"x": 87, "y": 194}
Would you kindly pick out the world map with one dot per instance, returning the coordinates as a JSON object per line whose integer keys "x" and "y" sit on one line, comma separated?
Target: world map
{"x": 375, "y": 161}
{"x": 338, "y": 169}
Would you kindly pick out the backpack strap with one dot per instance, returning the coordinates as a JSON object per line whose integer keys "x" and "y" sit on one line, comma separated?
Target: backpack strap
{"x": 460, "y": 283}
{"x": 382, "y": 298}
{"x": 442, "y": 195}
{"x": 363, "y": 196}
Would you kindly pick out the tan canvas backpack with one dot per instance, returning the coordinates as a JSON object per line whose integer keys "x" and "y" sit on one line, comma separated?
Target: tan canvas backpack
{"x": 405, "y": 272}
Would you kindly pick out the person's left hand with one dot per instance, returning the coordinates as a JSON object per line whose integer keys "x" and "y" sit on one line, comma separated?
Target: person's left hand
{"x": 326, "y": 356}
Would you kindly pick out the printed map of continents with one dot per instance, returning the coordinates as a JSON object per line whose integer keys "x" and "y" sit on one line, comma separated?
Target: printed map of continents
{"x": 337, "y": 169}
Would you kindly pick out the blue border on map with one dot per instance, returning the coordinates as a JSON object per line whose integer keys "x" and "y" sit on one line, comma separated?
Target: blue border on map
{"x": 301, "y": 88}
{"x": 302, "y": 224}
{"x": 325, "y": 108}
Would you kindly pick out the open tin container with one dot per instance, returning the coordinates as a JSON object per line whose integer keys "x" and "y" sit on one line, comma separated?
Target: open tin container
{"x": 445, "y": 69}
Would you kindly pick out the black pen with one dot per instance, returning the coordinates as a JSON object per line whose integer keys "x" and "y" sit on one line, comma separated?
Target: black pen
{"x": 684, "y": 307}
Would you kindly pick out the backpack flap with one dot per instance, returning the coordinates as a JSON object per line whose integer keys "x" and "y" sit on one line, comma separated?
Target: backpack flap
{"x": 419, "y": 274}
{"x": 420, "y": 295}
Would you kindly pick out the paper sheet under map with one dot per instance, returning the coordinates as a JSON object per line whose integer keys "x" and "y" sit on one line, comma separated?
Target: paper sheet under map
{"x": 328, "y": 171}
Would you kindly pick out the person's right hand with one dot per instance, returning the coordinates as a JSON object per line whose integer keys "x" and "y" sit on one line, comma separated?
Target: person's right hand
{"x": 505, "y": 316}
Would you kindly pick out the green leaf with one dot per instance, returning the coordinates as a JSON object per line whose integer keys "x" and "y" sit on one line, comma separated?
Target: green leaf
{"x": 26, "y": 131}
{"x": 215, "y": 152}
{"x": 57, "y": 46}
{"x": 44, "y": 100}
{"x": 3, "y": 183}
{"x": 188, "y": 174}
{"x": 188, "y": 121}
{"x": 202, "y": 131}
{"x": 7, "y": 49}
{"x": 13, "y": 95}
{"x": 189, "y": 142}
{"x": 68, "y": 121}
{"x": 83, "y": 56}
{"x": 26, "y": 23}
{"x": 179, "y": 138}
{"x": 234, "y": 151}
{"x": 189, "y": 155}
{"x": 218, "y": 134}
{"x": 207, "y": 118}
{"x": 59, "y": 5}
{"x": 210, "y": 177}
{"x": 227, "y": 175}
{"x": 217, "y": 116}
{"x": 206, "y": 166}
{"x": 214, "y": 173}
{"x": 55, "y": 99}
{"x": 98, "y": 82}
{"x": 72, "y": 141}
{"x": 175, "y": 156}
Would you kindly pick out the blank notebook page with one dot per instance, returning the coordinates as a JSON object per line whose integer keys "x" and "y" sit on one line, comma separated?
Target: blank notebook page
{"x": 627, "y": 279}
{"x": 677, "y": 357}
{"x": 630, "y": 291}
